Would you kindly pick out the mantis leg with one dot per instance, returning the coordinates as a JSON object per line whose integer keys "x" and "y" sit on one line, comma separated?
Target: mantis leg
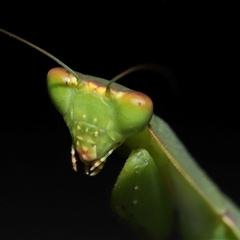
{"x": 140, "y": 198}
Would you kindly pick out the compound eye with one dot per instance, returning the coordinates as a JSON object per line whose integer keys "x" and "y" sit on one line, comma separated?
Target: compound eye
{"x": 135, "y": 110}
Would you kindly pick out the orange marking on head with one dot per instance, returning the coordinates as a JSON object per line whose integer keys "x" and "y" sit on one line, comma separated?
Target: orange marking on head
{"x": 84, "y": 154}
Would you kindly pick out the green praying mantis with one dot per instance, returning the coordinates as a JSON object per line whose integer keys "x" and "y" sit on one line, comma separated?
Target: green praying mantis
{"x": 160, "y": 188}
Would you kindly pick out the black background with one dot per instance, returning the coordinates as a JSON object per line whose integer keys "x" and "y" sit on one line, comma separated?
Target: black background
{"x": 41, "y": 196}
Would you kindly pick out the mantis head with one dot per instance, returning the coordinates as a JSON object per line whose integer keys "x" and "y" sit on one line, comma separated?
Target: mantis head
{"x": 99, "y": 118}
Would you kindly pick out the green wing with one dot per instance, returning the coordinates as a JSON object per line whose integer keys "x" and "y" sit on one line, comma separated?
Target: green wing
{"x": 202, "y": 210}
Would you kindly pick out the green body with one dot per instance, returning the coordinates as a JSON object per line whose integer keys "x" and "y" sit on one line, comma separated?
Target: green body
{"x": 160, "y": 189}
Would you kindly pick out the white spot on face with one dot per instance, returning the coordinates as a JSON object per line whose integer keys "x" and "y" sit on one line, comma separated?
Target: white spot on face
{"x": 66, "y": 80}
{"x": 135, "y": 188}
{"x": 80, "y": 138}
{"x": 138, "y": 101}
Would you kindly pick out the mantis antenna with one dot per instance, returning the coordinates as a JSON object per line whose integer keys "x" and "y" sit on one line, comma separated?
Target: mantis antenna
{"x": 153, "y": 67}
{"x": 42, "y": 51}
{"x": 148, "y": 66}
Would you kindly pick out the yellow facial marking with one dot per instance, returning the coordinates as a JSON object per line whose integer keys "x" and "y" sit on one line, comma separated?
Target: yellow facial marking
{"x": 86, "y": 130}
{"x": 92, "y": 86}
{"x": 101, "y": 90}
{"x": 119, "y": 94}
{"x": 77, "y": 143}
{"x": 72, "y": 80}
{"x": 95, "y": 119}
{"x": 80, "y": 138}
{"x": 90, "y": 141}
{"x": 83, "y": 116}
{"x": 84, "y": 148}
{"x": 96, "y": 133}
{"x": 78, "y": 127}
